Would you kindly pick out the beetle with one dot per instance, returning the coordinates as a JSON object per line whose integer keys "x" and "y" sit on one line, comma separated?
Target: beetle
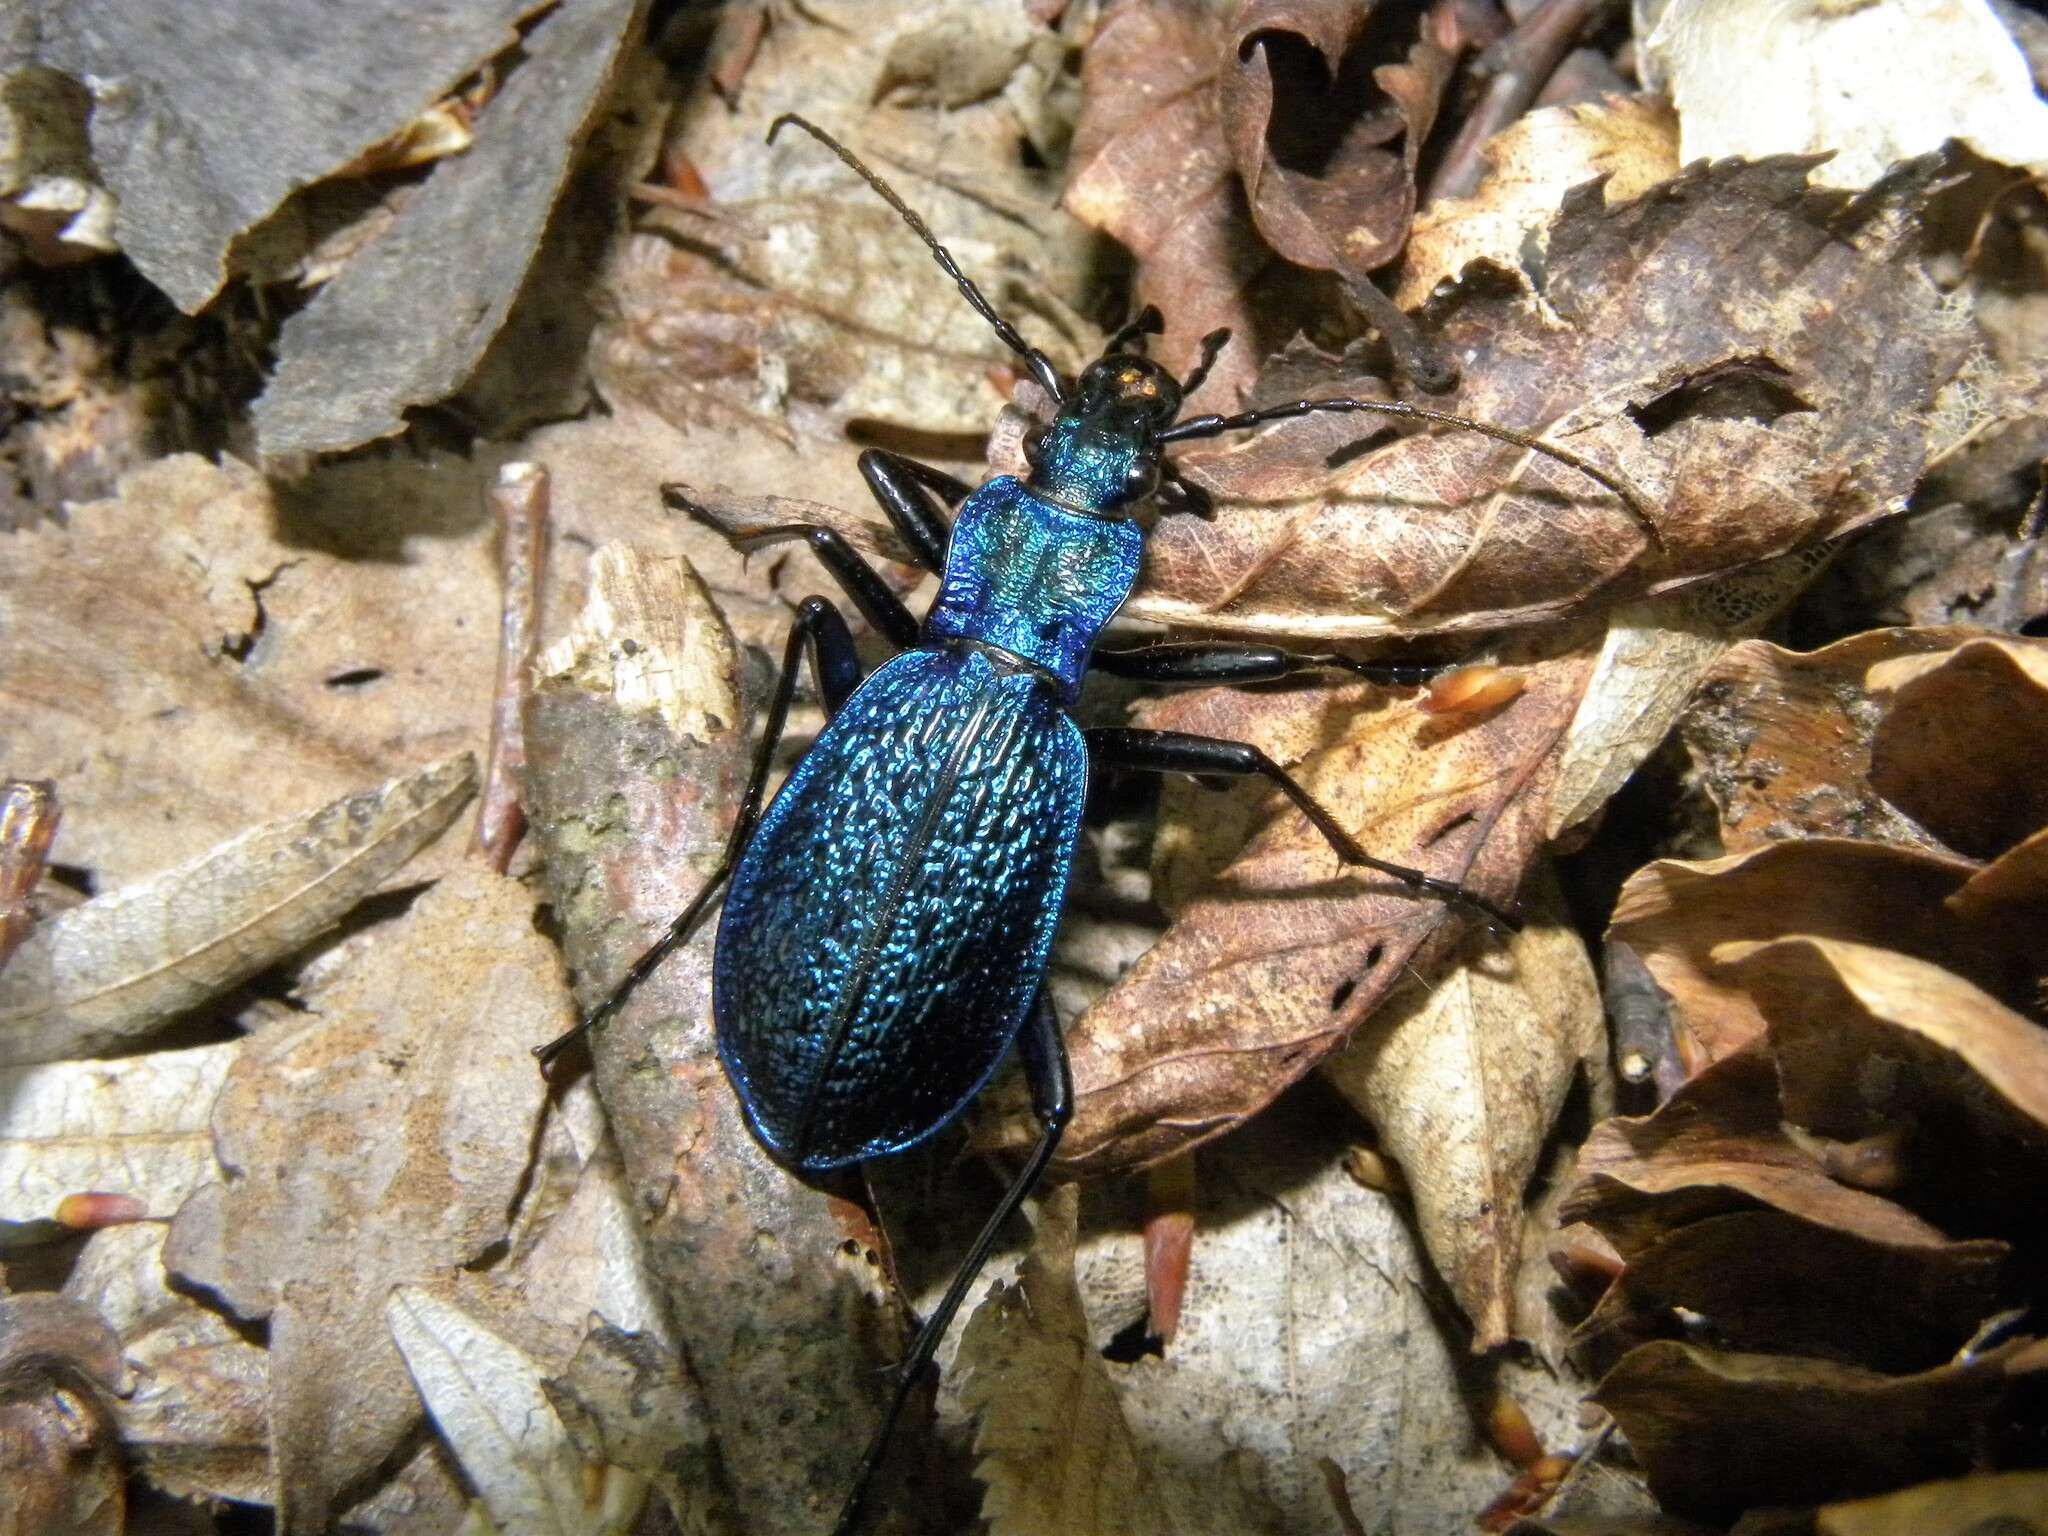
{"x": 890, "y": 915}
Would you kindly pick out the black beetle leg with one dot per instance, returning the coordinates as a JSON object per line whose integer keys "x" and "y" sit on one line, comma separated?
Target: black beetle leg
{"x": 820, "y": 630}
{"x": 1212, "y": 757}
{"x": 1044, "y": 1057}
{"x": 899, "y": 484}
{"x": 1205, "y": 662}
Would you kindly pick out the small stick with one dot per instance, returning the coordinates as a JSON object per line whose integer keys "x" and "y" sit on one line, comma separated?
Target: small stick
{"x": 520, "y": 502}
{"x": 1518, "y": 66}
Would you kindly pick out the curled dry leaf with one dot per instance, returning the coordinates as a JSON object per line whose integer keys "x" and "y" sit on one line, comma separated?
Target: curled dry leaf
{"x": 1630, "y": 143}
{"x": 28, "y": 825}
{"x": 1719, "y": 1433}
{"x": 1674, "y": 915}
{"x": 1719, "y": 1145}
{"x": 1866, "y": 85}
{"x": 1051, "y": 1442}
{"x": 1870, "y": 1041}
{"x": 1761, "y": 362}
{"x": 1268, "y": 969}
{"x": 105, "y": 973}
{"x": 59, "y": 1453}
{"x": 405, "y": 322}
{"x": 1462, "y": 1076}
{"x": 197, "y": 1421}
{"x": 1351, "y": 214}
{"x": 138, "y": 1127}
{"x": 489, "y": 1402}
{"x": 1959, "y": 750}
{"x": 1766, "y": 1281}
{"x": 378, "y": 1142}
{"x": 631, "y": 818}
{"x": 241, "y": 666}
{"x": 1770, "y": 773}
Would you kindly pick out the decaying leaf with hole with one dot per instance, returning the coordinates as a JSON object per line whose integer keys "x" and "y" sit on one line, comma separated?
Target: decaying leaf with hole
{"x": 380, "y": 1141}
{"x": 1629, "y": 141}
{"x": 1760, "y": 362}
{"x": 1462, "y": 1076}
{"x": 100, "y": 975}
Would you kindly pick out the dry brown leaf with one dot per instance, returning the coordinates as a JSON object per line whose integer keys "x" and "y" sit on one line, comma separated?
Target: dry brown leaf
{"x": 1629, "y": 141}
{"x": 137, "y": 1126}
{"x": 1959, "y": 750}
{"x": 198, "y": 1421}
{"x": 1762, "y": 1280}
{"x": 1351, "y": 214}
{"x": 60, "y": 1458}
{"x": 1867, "y": 84}
{"x": 1869, "y": 1041}
{"x": 201, "y": 653}
{"x": 378, "y": 1142}
{"x": 1716, "y": 1146}
{"x": 2010, "y": 1503}
{"x": 2010, "y": 884}
{"x": 1674, "y": 914}
{"x": 103, "y": 974}
{"x": 1268, "y": 969}
{"x": 1149, "y": 166}
{"x": 768, "y": 1296}
{"x": 1758, "y": 360}
{"x": 1051, "y": 1442}
{"x": 1719, "y": 1433}
{"x": 1782, "y": 740}
{"x": 1462, "y": 1076}
{"x": 29, "y": 814}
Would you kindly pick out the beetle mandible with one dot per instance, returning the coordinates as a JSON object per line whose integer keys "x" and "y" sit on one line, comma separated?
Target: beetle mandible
{"x": 890, "y": 914}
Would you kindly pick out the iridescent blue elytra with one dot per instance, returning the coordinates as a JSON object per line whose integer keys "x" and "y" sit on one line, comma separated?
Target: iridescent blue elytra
{"x": 887, "y": 929}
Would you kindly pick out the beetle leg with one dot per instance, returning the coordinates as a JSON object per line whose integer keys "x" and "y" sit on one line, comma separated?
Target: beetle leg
{"x": 900, "y": 484}
{"x": 1210, "y": 756}
{"x": 1044, "y": 1057}
{"x": 821, "y": 631}
{"x": 1203, "y": 662}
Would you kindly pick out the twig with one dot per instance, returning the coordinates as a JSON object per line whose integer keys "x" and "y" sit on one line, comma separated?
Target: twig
{"x": 520, "y": 502}
{"x": 1517, "y": 67}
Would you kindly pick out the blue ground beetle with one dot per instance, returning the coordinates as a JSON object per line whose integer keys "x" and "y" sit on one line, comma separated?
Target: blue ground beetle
{"x": 886, "y": 932}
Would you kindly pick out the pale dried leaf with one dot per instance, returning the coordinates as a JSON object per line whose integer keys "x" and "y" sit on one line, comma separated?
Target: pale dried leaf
{"x": 379, "y": 1142}
{"x": 1630, "y": 141}
{"x": 487, "y": 1400}
{"x": 1051, "y": 1442}
{"x": 139, "y": 1126}
{"x": 240, "y": 666}
{"x": 1653, "y": 657}
{"x": 107, "y": 972}
{"x": 1462, "y": 1076}
{"x": 2011, "y": 1503}
{"x": 1866, "y": 84}
{"x": 198, "y": 1420}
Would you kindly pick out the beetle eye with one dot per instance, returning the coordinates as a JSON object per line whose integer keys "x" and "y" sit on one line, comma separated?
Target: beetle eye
{"x": 1141, "y": 479}
{"x": 1034, "y": 444}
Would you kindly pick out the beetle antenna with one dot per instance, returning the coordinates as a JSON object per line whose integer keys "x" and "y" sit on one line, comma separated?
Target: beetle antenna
{"x": 1146, "y": 322}
{"x": 1212, "y": 348}
{"x": 1041, "y": 366}
{"x": 1631, "y": 498}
